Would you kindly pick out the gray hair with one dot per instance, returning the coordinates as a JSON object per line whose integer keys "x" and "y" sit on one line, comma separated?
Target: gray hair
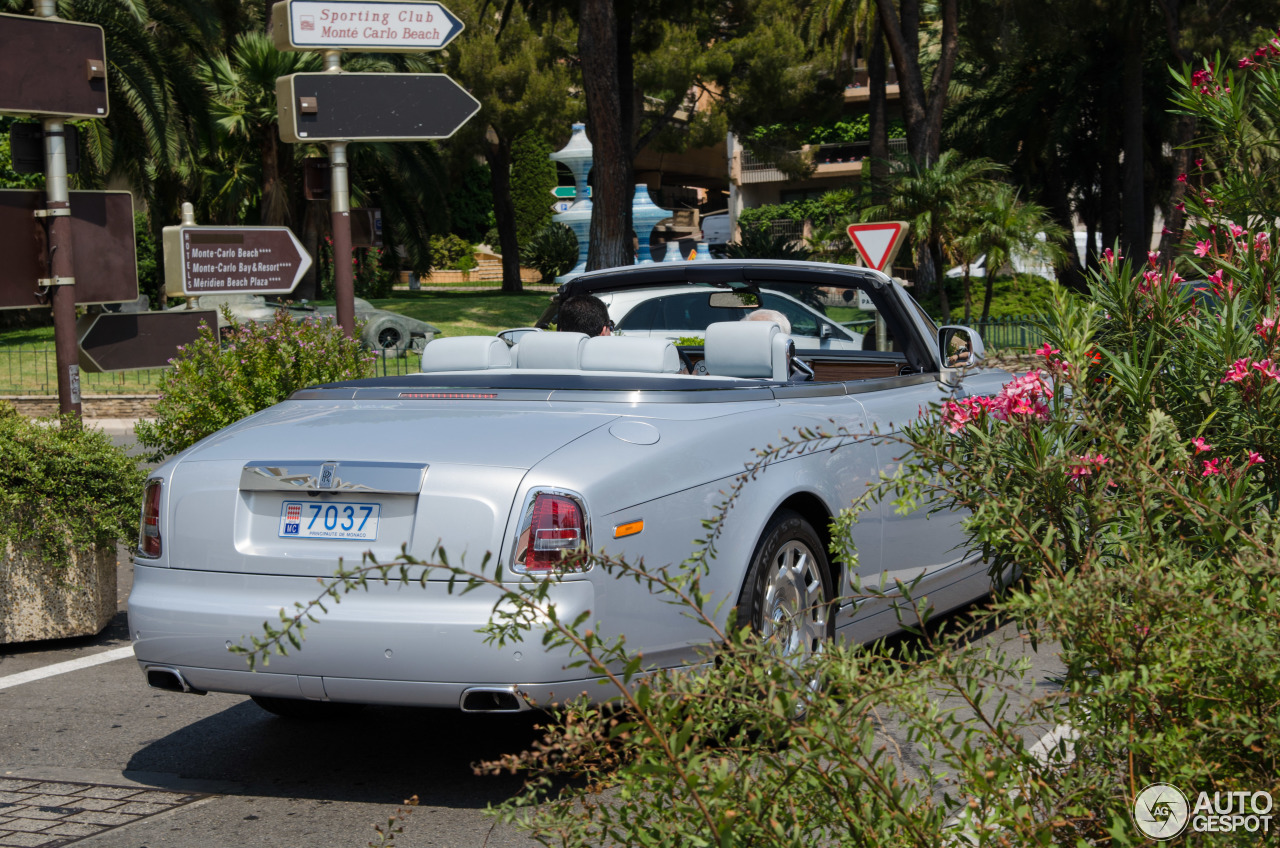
{"x": 770, "y": 315}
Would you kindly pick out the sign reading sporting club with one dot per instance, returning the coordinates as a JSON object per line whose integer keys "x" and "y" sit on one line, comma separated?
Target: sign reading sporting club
{"x": 383, "y": 26}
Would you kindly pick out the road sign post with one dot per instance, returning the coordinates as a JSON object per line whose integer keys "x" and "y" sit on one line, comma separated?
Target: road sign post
{"x": 55, "y": 70}
{"x": 336, "y": 108}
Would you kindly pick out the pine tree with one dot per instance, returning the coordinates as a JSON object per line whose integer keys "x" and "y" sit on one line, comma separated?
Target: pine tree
{"x": 533, "y": 176}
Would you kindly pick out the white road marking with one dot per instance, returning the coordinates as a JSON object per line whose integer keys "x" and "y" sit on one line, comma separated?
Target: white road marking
{"x": 64, "y": 667}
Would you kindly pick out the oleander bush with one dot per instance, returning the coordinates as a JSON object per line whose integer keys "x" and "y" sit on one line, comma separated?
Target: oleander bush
{"x": 63, "y": 488}
{"x": 219, "y": 379}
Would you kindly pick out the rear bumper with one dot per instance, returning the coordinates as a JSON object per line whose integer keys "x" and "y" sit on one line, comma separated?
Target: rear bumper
{"x": 389, "y": 644}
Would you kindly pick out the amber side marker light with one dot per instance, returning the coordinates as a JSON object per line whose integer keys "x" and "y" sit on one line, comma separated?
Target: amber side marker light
{"x": 629, "y": 529}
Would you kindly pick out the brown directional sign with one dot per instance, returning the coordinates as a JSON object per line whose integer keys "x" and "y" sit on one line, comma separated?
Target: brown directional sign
{"x": 371, "y": 107}
{"x": 52, "y": 67}
{"x": 219, "y": 260}
{"x": 106, "y": 265}
{"x": 128, "y": 341}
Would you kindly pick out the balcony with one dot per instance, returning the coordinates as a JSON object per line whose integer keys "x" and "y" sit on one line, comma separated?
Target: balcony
{"x": 842, "y": 159}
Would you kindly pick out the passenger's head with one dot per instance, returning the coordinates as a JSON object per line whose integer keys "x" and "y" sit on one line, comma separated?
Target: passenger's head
{"x": 770, "y": 315}
{"x": 584, "y": 314}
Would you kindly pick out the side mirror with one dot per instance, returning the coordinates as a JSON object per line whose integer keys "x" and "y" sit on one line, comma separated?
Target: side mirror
{"x": 824, "y": 330}
{"x": 960, "y": 346}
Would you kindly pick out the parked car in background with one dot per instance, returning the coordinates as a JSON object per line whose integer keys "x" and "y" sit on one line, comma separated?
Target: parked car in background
{"x": 535, "y": 454}
{"x": 383, "y": 330}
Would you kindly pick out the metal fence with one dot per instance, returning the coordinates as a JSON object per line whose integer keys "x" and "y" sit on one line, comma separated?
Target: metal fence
{"x": 1021, "y": 332}
{"x": 33, "y": 370}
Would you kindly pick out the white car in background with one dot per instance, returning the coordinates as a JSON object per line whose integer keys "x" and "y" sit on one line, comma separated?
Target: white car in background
{"x": 678, "y": 312}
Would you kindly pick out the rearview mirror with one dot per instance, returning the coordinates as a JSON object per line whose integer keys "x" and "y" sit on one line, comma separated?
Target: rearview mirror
{"x": 734, "y": 300}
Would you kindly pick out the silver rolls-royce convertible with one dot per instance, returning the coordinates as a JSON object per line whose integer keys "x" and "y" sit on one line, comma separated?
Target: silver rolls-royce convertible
{"x": 530, "y": 444}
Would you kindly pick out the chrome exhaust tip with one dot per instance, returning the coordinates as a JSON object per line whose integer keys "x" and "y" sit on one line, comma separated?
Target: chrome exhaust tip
{"x": 493, "y": 699}
{"x": 170, "y": 680}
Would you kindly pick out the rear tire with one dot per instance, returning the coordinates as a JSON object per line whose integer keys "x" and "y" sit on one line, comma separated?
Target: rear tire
{"x": 296, "y": 708}
{"x": 789, "y": 595}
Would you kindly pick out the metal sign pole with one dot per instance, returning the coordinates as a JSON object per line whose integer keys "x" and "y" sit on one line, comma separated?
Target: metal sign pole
{"x": 340, "y": 217}
{"x": 61, "y": 282}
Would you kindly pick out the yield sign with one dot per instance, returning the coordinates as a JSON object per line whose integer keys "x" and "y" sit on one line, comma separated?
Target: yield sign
{"x": 878, "y": 243}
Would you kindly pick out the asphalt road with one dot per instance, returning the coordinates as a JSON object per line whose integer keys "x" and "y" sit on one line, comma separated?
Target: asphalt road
{"x": 184, "y": 770}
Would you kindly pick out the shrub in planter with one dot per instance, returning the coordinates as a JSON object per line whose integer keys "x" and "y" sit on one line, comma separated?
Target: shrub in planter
{"x": 552, "y": 251}
{"x": 67, "y": 497}
{"x": 218, "y": 380}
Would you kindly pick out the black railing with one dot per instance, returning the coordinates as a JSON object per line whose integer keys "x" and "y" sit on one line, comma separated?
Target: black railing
{"x": 32, "y": 370}
{"x": 1022, "y": 332}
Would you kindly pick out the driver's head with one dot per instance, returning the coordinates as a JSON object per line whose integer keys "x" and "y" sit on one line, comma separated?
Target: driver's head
{"x": 770, "y": 315}
{"x": 584, "y": 314}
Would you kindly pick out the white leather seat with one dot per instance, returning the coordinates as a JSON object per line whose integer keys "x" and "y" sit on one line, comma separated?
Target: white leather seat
{"x": 554, "y": 351}
{"x": 630, "y": 353}
{"x": 747, "y": 349}
{"x": 466, "y": 353}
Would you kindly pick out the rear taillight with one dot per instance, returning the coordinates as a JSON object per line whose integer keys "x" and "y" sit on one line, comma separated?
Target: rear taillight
{"x": 553, "y": 535}
{"x": 149, "y": 532}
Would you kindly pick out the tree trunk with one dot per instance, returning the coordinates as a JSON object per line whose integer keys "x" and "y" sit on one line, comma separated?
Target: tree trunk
{"x": 1109, "y": 187}
{"x": 610, "y": 241}
{"x": 934, "y": 252}
{"x": 498, "y": 155}
{"x": 1175, "y": 219}
{"x": 315, "y": 218}
{"x": 273, "y": 210}
{"x": 988, "y": 291}
{"x": 968, "y": 291}
{"x": 877, "y": 79}
{"x": 1137, "y": 235}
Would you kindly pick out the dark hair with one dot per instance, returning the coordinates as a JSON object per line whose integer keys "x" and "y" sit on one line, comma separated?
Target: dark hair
{"x": 583, "y": 314}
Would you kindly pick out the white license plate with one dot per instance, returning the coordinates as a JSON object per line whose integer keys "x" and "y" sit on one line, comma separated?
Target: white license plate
{"x": 346, "y": 521}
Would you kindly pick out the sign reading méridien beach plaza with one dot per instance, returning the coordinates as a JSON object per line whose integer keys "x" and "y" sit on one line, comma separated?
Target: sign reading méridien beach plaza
{"x": 383, "y": 26}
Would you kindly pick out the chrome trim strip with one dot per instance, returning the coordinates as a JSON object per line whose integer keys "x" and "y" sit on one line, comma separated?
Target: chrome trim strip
{"x": 329, "y": 476}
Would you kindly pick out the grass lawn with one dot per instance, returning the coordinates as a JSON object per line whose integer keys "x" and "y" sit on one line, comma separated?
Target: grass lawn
{"x": 480, "y": 313}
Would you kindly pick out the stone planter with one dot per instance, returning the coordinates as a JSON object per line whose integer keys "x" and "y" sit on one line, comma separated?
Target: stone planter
{"x": 35, "y": 604}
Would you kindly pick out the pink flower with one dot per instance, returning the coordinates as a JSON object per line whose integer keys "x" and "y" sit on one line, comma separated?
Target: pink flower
{"x": 1182, "y": 178}
{"x": 1267, "y": 369}
{"x": 1255, "y": 458}
{"x": 1246, "y": 62}
{"x": 1210, "y": 467}
{"x": 1237, "y": 231}
{"x": 1108, "y": 256}
{"x": 1203, "y": 248}
{"x": 1180, "y": 206}
{"x": 1199, "y": 163}
{"x": 1238, "y": 371}
{"x": 1201, "y": 445}
{"x": 1266, "y": 328}
{"x": 1153, "y": 257}
{"x": 1047, "y": 351}
{"x": 1084, "y": 466}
